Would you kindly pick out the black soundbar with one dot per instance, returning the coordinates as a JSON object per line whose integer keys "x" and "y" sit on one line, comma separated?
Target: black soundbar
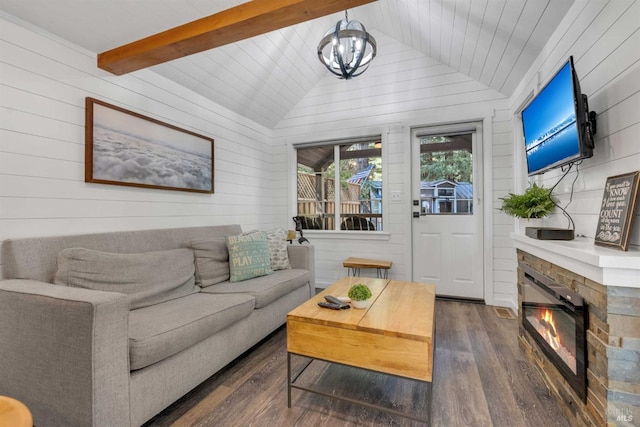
{"x": 549, "y": 233}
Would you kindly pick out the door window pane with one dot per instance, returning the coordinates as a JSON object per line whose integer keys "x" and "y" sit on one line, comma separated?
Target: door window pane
{"x": 446, "y": 174}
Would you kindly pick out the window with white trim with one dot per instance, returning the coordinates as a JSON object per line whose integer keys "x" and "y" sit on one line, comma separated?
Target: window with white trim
{"x": 340, "y": 185}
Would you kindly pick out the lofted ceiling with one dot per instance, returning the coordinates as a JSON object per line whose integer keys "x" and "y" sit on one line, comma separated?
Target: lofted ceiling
{"x": 264, "y": 77}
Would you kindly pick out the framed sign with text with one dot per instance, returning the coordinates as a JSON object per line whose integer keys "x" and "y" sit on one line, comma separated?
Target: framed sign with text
{"x": 616, "y": 210}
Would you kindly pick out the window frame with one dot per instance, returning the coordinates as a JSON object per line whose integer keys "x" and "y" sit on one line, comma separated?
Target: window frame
{"x": 336, "y": 143}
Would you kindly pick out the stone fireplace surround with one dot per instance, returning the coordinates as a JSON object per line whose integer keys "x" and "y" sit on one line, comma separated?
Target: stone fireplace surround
{"x": 609, "y": 281}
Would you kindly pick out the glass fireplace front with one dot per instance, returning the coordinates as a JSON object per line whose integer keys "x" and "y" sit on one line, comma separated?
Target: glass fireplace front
{"x": 556, "y": 318}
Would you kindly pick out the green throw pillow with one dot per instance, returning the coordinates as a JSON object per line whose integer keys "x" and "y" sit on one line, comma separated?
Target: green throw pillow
{"x": 249, "y": 256}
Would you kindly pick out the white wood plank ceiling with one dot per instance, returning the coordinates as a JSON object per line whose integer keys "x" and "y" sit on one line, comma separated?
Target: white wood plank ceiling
{"x": 263, "y": 78}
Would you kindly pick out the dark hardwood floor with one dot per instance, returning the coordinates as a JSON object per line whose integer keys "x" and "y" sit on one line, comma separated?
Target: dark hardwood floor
{"x": 480, "y": 379}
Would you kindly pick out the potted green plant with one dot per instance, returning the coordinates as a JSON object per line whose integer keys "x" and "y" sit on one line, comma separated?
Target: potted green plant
{"x": 536, "y": 202}
{"x": 359, "y": 295}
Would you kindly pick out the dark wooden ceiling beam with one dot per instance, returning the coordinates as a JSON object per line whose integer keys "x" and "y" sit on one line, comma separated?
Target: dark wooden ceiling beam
{"x": 237, "y": 23}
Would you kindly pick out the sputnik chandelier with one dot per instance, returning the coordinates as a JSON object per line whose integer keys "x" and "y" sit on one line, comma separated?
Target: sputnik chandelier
{"x": 347, "y": 50}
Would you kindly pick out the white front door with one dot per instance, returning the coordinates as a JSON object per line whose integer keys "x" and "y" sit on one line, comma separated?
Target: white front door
{"x": 447, "y": 216}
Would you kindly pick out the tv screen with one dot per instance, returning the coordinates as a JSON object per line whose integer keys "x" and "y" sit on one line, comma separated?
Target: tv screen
{"x": 555, "y": 124}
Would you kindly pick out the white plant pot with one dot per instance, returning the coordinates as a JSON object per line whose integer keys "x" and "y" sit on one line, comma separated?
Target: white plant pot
{"x": 361, "y": 304}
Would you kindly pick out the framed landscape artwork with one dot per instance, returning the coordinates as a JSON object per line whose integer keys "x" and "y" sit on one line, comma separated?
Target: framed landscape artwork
{"x": 126, "y": 148}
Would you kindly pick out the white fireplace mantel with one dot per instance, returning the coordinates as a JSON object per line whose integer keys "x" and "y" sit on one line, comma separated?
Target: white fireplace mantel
{"x": 609, "y": 267}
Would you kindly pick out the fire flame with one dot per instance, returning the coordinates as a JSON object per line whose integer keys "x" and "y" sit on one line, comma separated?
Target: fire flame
{"x": 550, "y": 335}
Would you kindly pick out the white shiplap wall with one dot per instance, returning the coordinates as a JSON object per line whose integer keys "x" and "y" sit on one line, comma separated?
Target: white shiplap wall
{"x": 403, "y": 89}
{"x": 604, "y": 39}
{"x": 43, "y": 84}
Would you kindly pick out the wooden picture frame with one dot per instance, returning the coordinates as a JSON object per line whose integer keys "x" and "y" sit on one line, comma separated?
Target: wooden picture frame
{"x": 127, "y": 148}
{"x": 616, "y": 210}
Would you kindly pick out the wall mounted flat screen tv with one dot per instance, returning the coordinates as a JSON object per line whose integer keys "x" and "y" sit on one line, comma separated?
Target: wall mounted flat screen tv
{"x": 558, "y": 128}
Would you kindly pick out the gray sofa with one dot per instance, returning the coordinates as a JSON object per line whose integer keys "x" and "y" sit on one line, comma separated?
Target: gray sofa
{"x": 84, "y": 357}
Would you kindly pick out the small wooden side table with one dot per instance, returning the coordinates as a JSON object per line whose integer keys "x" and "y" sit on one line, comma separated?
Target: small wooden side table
{"x": 14, "y": 413}
{"x": 354, "y": 265}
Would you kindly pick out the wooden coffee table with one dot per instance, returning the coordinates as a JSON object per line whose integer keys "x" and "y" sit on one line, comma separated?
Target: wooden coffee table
{"x": 394, "y": 336}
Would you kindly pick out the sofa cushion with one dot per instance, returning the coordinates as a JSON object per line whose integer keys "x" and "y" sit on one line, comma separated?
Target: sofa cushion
{"x": 265, "y": 289}
{"x": 162, "y": 330}
{"x": 278, "y": 253}
{"x": 212, "y": 260}
{"x": 147, "y": 278}
{"x": 248, "y": 256}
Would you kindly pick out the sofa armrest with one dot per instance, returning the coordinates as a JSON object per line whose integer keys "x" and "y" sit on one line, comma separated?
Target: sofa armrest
{"x": 303, "y": 257}
{"x": 64, "y": 353}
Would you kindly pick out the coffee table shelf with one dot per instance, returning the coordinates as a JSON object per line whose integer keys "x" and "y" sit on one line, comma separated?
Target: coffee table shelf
{"x": 292, "y": 378}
